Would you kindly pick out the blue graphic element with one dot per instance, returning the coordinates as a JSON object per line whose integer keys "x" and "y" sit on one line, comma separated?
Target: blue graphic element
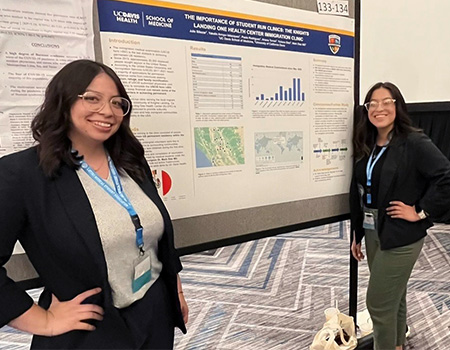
{"x": 201, "y": 160}
{"x": 292, "y": 93}
{"x": 121, "y": 17}
{"x": 138, "y": 283}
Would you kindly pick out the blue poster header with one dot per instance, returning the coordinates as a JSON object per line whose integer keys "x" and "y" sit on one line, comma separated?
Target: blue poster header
{"x": 122, "y": 17}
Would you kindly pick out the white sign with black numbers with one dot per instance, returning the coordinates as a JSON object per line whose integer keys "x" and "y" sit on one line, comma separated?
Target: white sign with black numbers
{"x": 333, "y": 7}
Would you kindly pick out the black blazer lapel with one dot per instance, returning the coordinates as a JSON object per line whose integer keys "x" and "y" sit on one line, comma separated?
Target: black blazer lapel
{"x": 78, "y": 209}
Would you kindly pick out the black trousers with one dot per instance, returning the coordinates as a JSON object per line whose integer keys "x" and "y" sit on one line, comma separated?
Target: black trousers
{"x": 157, "y": 333}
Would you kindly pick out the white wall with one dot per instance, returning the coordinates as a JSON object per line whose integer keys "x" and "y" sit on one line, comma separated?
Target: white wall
{"x": 407, "y": 42}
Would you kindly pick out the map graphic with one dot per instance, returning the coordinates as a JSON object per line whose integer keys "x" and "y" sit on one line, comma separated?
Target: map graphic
{"x": 219, "y": 146}
{"x": 279, "y": 147}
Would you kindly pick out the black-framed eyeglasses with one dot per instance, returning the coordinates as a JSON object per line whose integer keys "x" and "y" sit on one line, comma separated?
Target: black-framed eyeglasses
{"x": 94, "y": 102}
{"x": 386, "y": 103}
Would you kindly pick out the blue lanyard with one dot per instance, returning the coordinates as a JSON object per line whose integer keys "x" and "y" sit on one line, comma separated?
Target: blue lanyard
{"x": 369, "y": 170}
{"x": 119, "y": 196}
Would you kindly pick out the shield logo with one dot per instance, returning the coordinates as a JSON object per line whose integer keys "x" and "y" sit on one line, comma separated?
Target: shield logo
{"x": 334, "y": 43}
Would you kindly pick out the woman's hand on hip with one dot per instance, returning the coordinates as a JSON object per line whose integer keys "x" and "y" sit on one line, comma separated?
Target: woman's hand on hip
{"x": 356, "y": 250}
{"x": 400, "y": 210}
{"x": 66, "y": 316}
{"x": 184, "y": 307}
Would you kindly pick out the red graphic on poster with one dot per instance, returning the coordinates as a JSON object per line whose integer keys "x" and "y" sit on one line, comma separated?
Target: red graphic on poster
{"x": 166, "y": 182}
{"x": 162, "y": 179}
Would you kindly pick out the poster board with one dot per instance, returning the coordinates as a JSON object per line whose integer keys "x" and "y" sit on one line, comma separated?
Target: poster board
{"x": 245, "y": 116}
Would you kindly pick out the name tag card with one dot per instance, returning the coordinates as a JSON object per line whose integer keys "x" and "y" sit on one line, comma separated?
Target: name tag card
{"x": 142, "y": 272}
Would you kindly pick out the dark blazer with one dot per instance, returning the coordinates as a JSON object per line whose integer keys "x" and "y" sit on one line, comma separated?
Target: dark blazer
{"x": 54, "y": 222}
{"x": 414, "y": 172}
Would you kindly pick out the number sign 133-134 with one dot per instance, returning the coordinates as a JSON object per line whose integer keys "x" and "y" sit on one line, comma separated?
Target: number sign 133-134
{"x": 333, "y": 7}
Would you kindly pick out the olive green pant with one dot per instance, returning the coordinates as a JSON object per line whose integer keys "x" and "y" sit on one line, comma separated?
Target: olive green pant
{"x": 386, "y": 293}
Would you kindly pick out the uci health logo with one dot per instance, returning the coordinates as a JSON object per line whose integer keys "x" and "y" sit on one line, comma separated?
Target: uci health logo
{"x": 334, "y": 43}
{"x": 127, "y": 17}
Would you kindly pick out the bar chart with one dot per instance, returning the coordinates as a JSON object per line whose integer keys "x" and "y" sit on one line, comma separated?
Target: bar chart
{"x": 292, "y": 93}
{"x": 281, "y": 91}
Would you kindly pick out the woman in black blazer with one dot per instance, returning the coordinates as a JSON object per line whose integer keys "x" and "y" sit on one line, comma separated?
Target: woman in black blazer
{"x": 52, "y": 197}
{"x": 400, "y": 181}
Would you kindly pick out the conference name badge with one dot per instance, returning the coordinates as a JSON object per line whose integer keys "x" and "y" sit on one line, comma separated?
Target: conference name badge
{"x": 142, "y": 272}
{"x": 369, "y": 220}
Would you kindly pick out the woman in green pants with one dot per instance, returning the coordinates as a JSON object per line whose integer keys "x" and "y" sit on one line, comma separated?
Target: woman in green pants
{"x": 400, "y": 181}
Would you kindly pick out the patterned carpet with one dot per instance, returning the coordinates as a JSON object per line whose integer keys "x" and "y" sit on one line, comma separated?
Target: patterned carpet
{"x": 271, "y": 293}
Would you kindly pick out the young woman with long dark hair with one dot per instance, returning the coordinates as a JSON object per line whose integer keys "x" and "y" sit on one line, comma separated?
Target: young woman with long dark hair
{"x": 400, "y": 181}
{"x": 84, "y": 207}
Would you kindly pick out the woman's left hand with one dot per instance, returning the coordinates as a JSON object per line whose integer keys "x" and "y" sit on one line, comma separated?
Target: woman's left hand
{"x": 184, "y": 307}
{"x": 400, "y": 210}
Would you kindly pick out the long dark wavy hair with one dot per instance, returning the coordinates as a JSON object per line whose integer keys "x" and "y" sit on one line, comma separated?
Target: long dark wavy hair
{"x": 365, "y": 133}
{"x": 51, "y": 125}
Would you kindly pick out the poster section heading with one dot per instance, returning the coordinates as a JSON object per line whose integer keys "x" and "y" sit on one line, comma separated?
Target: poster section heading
{"x": 188, "y": 25}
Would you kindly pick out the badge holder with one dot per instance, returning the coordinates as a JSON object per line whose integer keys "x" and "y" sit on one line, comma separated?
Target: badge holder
{"x": 142, "y": 272}
{"x": 370, "y": 219}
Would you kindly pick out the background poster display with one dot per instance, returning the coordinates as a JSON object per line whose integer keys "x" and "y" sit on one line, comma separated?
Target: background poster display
{"x": 35, "y": 42}
{"x": 235, "y": 109}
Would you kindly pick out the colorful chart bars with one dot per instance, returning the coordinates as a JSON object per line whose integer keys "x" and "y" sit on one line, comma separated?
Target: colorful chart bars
{"x": 293, "y": 93}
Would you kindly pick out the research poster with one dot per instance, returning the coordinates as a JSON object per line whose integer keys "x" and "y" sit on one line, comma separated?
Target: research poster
{"x": 238, "y": 104}
{"x": 36, "y": 40}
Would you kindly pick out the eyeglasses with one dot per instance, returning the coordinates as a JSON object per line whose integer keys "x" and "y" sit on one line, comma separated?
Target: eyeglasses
{"x": 386, "y": 103}
{"x": 94, "y": 102}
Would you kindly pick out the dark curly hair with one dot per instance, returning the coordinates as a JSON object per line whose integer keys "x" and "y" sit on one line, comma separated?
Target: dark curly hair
{"x": 51, "y": 125}
{"x": 365, "y": 133}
